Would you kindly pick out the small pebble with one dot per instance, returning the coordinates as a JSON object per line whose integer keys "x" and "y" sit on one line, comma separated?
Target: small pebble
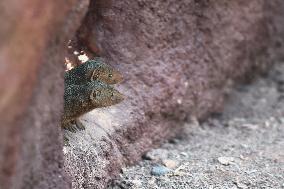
{"x": 183, "y": 154}
{"x": 155, "y": 155}
{"x": 281, "y": 119}
{"x": 136, "y": 183}
{"x": 169, "y": 163}
{"x": 225, "y": 160}
{"x": 241, "y": 185}
{"x": 176, "y": 141}
{"x": 250, "y": 126}
{"x": 159, "y": 170}
{"x": 148, "y": 156}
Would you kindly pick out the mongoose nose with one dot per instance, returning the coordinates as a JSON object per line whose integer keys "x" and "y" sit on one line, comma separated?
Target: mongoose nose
{"x": 117, "y": 96}
{"x": 117, "y": 77}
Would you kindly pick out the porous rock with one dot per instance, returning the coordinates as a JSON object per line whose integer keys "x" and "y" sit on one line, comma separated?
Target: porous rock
{"x": 178, "y": 59}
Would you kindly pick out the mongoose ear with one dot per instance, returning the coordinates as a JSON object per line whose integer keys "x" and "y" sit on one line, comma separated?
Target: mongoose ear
{"x": 94, "y": 76}
{"x": 116, "y": 76}
{"x": 93, "y": 95}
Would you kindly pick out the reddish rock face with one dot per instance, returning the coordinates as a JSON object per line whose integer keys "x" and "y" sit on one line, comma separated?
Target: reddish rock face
{"x": 33, "y": 35}
{"x": 178, "y": 59}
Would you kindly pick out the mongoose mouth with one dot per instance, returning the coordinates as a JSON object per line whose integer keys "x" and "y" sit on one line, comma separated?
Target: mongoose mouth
{"x": 107, "y": 75}
{"x": 106, "y": 97}
{"x": 117, "y": 97}
{"x": 117, "y": 77}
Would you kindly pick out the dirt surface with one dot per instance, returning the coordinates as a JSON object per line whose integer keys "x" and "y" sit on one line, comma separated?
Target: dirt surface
{"x": 242, "y": 148}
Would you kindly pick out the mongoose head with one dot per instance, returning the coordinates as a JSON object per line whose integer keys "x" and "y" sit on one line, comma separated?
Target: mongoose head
{"x": 103, "y": 72}
{"x": 103, "y": 95}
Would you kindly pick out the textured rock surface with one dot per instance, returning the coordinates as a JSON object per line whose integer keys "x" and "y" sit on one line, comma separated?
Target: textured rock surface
{"x": 178, "y": 57}
{"x": 242, "y": 148}
{"x": 33, "y": 35}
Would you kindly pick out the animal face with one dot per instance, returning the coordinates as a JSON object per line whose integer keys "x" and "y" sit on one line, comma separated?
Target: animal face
{"x": 106, "y": 74}
{"x": 104, "y": 95}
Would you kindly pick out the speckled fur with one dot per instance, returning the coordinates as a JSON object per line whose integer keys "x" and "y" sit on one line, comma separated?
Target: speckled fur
{"x": 86, "y": 88}
{"x": 80, "y": 99}
{"x": 93, "y": 70}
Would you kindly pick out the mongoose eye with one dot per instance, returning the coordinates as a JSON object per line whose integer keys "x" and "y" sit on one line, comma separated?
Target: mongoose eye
{"x": 95, "y": 77}
{"x": 98, "y": 93}
{"x": 110, "y": 75}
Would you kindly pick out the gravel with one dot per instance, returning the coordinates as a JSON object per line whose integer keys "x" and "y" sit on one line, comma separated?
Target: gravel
{"x": 241, "y": 148}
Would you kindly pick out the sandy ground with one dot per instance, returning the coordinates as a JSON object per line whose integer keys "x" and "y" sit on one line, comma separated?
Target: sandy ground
{"x": 242, "y": 148}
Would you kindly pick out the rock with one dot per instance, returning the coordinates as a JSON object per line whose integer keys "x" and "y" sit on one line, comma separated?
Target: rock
{"x": 225, "y": 160}
{"x": 33, "y": 37}
{"x": 173, "y": 140}
{"x": 160, "y": 170}
{"x": 241, "y": 185}
{"x": 184, "y": 56}
{"x": 250, "y": 126}
{"x": 148, "y": 156}
{"x": 183, "y": 154}
{"x": 136, "y": 183}
{"x": 170, "y": 163}
{"x": 155, "y": 155}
